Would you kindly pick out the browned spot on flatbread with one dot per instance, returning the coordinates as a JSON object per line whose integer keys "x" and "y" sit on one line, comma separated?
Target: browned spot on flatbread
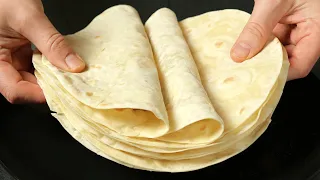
{"x": 119, "y": 109}
{"x": 228, "y": 80}
{"x": 242, "y": 110}
{"x": 97, "y": 37}
{"x": 218, "y": 44}
{"x": 68, "y": 79}
{"x": 203, "y": 127}
{"x": 89, "y": 93}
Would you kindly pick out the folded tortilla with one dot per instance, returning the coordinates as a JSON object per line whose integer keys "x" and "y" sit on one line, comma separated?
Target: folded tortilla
{"x": 191, "y": 114}
{"x": 120, "y": 88}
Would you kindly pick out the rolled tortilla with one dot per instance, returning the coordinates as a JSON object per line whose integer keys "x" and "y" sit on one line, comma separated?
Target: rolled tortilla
{"x": 192, "y": 118}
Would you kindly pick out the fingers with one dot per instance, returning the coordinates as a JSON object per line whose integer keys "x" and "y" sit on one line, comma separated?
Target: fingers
{"x": 304, "y": 55}
{"x": 257, "y": 31}
{"x": 289, "y": 48}
{"x": 302, "y": 30}
{"x": 282, "y": 32}
{"x": 21, "y": 58}
{"x": 26, "y": 76}
{"x": 16, "y": 89}
{"x": 51, "y": 43}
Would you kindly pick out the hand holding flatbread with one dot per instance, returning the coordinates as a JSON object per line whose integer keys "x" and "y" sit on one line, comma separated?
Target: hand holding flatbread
{"x": 165, "y": 96}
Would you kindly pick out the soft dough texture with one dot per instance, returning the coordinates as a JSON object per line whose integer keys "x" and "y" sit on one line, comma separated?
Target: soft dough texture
{"x": 185, "y": 98}
{"x": 165, "y": 96}
{"x": 127, "y": 98}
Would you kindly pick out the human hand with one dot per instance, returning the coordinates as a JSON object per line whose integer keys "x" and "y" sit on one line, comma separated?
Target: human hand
{"x": 295, "y": 22}
{"x": 23, "y": 22}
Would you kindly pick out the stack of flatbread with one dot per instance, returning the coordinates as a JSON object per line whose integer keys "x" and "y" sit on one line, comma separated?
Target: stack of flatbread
{"x": 164, "y": 95}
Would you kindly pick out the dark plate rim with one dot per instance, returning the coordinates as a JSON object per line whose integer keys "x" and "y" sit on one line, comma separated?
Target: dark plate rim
{"x": 8, "y": 171}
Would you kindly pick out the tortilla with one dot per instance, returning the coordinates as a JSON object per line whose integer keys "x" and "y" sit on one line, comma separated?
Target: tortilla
{"x": 184, "y": 95}
{"x": 129, "y": 94}
{"x": 166, "y": 97}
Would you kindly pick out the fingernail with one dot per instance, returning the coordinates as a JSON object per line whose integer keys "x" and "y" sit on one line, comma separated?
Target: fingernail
{"x": 241, "y": 51}
{"x": 74, "y": 62}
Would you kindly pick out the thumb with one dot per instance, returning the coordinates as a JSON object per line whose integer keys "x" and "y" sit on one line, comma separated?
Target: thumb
{"x": 258, "y": 29}
{"x": 52, "y": 44}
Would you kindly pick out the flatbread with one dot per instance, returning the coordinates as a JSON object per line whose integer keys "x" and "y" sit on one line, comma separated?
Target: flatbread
{"x": 140, "y": 116}
{"x": 130, "y": 93}
{"x": 184, "y": 95}
{"x": 236, "y": 90}
{"x": 167, "y": 96}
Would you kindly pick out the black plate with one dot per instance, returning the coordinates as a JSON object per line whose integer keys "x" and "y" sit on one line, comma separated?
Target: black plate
{"x": 34, "y": 146}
